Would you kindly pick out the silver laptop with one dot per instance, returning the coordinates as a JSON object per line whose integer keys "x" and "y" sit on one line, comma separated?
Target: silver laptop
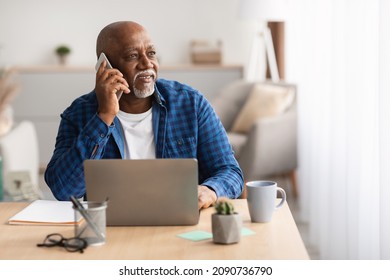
{"x": 151, "y": 192}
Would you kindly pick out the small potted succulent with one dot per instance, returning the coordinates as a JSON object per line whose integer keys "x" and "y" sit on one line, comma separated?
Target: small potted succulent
{"x": 226, "y": 223}
{"x": 63, "y": 51}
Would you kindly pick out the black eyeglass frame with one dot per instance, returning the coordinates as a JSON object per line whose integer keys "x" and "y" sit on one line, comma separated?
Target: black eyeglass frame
{"x": 73, "y": 244}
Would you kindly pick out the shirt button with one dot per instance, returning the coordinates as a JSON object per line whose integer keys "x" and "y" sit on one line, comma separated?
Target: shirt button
{"x": 102, "y": 135}
{"x": 180, "y": 142}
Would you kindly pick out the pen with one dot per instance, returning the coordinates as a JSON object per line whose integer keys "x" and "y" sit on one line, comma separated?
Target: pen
{"x": 77, "y": 204}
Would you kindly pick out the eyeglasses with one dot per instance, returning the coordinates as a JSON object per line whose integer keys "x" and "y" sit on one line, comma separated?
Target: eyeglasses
{"x": 73, "y": 244}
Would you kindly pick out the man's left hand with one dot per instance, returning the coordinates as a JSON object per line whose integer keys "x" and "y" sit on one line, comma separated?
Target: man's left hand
{"x": 206, "y": 197}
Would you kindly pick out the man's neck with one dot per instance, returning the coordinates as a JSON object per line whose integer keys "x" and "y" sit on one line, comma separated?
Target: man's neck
{"x": 134, "y": 105}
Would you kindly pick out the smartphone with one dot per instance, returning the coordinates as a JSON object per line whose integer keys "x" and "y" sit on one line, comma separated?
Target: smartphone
{"x": 102, "y": 58}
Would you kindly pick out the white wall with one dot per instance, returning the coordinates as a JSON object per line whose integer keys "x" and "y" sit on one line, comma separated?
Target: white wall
{"x": 30, "y": 30}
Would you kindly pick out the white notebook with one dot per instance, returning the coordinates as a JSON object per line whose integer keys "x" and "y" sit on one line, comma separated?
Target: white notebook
{"x": 45, "y": 212}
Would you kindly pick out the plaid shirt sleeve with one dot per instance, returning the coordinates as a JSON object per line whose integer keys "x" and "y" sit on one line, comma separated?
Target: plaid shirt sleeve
{"x": 217, "y": 163}
{"x": 195, "y": 131}
{"x": 81, "y": 135}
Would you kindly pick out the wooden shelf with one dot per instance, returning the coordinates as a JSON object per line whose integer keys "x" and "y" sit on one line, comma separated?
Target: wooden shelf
{"x": 51, "y": 68}
{"x": 86, "y": 68}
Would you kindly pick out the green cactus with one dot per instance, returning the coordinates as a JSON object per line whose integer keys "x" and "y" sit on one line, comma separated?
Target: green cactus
{"x": 224, "y": 207}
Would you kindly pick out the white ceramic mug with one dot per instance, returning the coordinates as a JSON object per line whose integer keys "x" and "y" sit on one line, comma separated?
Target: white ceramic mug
{"x": 261, "y": 197}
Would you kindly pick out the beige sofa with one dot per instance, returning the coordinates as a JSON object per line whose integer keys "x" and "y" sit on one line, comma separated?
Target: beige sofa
{"x": 266, "y": 144}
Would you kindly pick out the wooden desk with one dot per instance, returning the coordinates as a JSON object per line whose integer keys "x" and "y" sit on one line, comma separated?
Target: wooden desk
{"x": 278, "y": 239}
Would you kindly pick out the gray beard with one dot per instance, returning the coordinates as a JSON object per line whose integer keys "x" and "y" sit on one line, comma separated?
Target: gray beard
{"x": 143, "y": 93}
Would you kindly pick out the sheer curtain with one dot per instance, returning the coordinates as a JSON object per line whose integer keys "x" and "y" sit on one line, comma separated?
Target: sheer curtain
{"x": 337, "y": 53}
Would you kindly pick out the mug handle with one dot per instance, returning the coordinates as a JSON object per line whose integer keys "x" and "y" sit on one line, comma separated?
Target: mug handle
{"x": 278, "y": 189}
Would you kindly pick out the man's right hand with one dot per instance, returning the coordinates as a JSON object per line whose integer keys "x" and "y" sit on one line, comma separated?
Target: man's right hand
{"x": 108, "y": 83}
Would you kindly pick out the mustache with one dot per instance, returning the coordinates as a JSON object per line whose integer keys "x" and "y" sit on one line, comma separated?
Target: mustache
{"x": 148, "y": 72}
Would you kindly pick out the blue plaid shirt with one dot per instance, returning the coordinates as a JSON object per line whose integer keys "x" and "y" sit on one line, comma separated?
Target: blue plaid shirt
{"x": 184, "y": 124}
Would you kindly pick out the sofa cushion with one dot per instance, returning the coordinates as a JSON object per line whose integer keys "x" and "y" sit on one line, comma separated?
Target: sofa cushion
{"x": 265, "y": 100}
{"x": 237, "y": 140}
{"x": 229, "y": 101}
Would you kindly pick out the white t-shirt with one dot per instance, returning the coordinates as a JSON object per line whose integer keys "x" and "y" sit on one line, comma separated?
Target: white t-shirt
{"x": 139, "y": 137}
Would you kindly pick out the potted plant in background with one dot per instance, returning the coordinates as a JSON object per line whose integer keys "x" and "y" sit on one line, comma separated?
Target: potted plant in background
{"x": 226, "y": 223}
{"x": 62, "y": 52}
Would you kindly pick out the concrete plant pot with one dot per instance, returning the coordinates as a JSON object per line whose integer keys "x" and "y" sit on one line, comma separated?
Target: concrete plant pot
{"x": 226, "y": 228}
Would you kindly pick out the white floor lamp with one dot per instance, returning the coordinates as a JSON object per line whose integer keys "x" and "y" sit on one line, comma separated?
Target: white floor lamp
{"x": 263, "y": 11}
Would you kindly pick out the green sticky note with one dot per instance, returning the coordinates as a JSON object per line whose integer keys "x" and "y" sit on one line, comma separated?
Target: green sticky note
{"x": 196, "y": 235}
{"x": 247, "y": 231}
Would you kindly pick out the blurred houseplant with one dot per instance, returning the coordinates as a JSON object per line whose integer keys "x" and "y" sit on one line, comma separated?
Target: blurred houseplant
{"x": 8, "y": 89}
{"x": 63, "y": 52}
{"x": 226, "y": 223}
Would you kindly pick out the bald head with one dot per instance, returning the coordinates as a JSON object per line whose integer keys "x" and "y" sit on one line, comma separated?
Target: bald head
{"x": 109, "y": 35}
{"x": 131, "y": 51}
